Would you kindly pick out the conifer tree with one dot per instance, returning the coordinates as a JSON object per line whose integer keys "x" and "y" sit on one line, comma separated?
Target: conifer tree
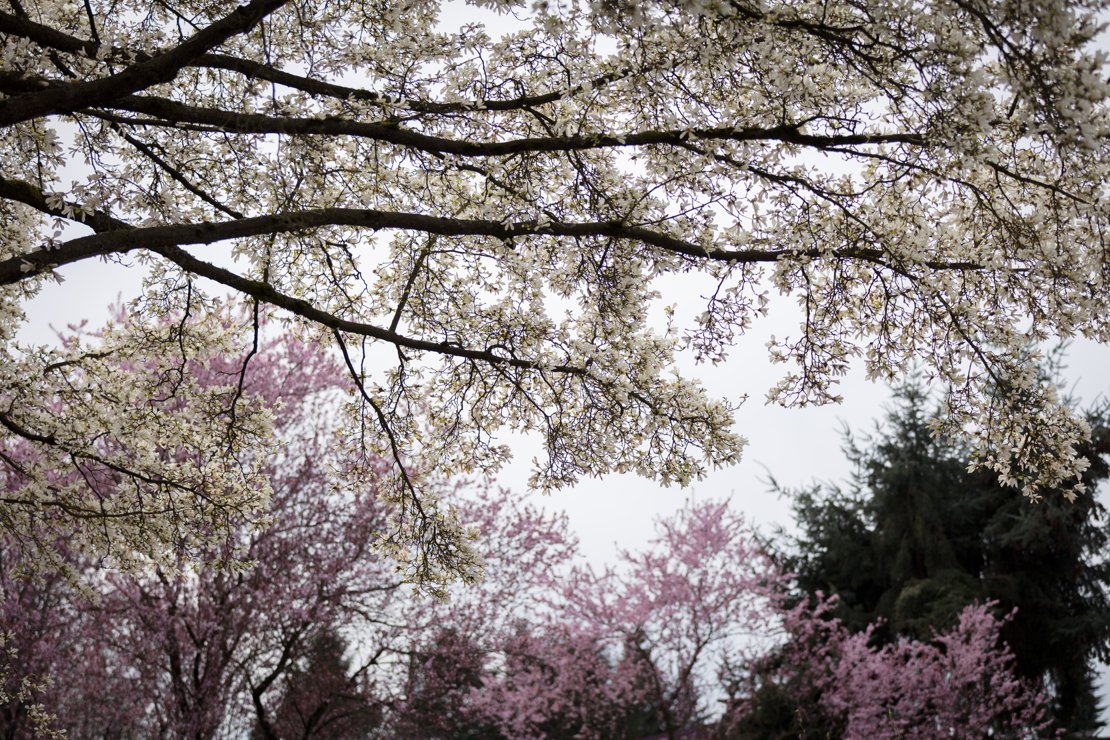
{"x": 916, "y": 537}
{"x": 323, "y": 699}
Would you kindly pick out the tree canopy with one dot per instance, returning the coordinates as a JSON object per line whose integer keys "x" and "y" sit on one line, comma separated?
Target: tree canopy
{"x": 479, "y": 220}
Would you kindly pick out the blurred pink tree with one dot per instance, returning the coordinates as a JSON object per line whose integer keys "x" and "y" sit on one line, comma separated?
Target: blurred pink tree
{"x": 959, "y": 684}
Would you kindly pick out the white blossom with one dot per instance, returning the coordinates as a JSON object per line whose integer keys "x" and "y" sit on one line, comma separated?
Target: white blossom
{"x": 480, "y": 222}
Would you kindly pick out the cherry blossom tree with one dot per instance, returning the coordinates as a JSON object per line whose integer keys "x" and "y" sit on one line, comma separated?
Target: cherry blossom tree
{"x": 556, "y": 680}
{"x": 504, "y": 657}
{"x": 479, "y": 221}
{"x": 959, "y": 684}
{"x": 684, "y": 607}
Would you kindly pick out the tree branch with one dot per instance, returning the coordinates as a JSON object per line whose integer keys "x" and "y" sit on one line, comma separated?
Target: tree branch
{"x": 157, "y": 69}
{"x": 172, "y": 113}
{"x": 115, "y": 237}
{"x": 268, "y": 294}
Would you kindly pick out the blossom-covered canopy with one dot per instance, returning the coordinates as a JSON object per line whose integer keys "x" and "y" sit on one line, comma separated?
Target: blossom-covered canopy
{"x": 479, "y": 222}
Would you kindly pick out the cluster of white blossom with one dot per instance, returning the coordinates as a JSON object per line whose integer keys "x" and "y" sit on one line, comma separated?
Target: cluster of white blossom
{"x": 113, "y": 445}
{"x": 478, "y": 222}
{"x": 18, "y": 687}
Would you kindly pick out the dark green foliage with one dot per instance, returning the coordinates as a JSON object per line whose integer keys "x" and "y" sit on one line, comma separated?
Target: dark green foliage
{"x": 322, "y": 699}
{"x": 779, "y": 705}
{"x": 916, "y": 537}
{"x": 644, "y": 711}
{"x": 440, "y": 679}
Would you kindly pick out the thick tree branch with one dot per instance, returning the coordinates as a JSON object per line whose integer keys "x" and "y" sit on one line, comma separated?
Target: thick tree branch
{"x": 51, "y": 38}
{"x": 173, "y": 113}
{"x": 268, "y": 294}
{"x": 256, "y": 70}
{"x": 157, "y": 69}
{"x": 118, "y": 238}
{"x": 46, "y": 36}
{"x": 29, "y": 195}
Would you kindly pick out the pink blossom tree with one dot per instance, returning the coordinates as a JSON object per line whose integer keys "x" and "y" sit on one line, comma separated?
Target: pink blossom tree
{"x": 625, "y": 652}
{"x": 683, "y": 607}
{"x": 557, "y": 683}
{"x": 196, "y": 651}
{"x": 959, "y": 684}
{"x": 504, "y": 657}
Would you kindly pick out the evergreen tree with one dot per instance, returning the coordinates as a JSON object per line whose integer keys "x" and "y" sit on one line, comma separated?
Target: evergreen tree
{"x": 916, "y": 537}
{"x": 441, "y": 677}
{"x": 322, "y": 700}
